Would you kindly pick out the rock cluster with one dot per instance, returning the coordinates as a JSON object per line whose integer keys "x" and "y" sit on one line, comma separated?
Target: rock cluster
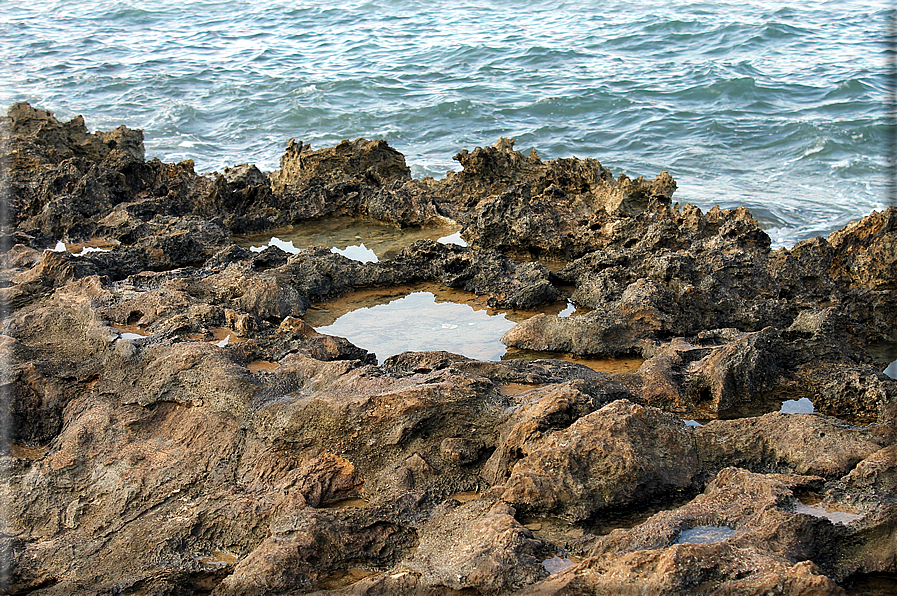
{"x": 151, "y": 447}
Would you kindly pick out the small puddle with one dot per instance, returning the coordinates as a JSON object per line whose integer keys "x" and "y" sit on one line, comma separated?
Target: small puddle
{"x": 218, "y": 559}
{"x": 703, "y": 534}
{"x": 358, "y": 253}
{"x": 426, "y": 317}
{"x": 418, "y": 322}
{"x": 79, "y": 249}
{"x": 222, "y": 336}
{"x": 131, "y": 331}
{"x": 262, "y": 366}
{"x": 430, "y": 317}
{"x": 359, "y": 239}
{"x": 836, "y": 517}
{"x": 560, "y": 562}
{"x": 452, "y": 239}
{"x": 891, "y": 370}
{"x": 797, "y": 406}
{"x": 836, "y": 513}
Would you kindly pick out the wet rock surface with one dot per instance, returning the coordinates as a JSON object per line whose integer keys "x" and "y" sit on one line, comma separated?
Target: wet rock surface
{"x": 148, "y": 452}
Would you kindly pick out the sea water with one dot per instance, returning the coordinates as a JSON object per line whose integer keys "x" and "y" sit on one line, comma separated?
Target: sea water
{"x": 779, "y": 106}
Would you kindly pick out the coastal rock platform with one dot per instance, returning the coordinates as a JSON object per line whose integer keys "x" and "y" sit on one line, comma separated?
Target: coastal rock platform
{"x": 173, "y": 426}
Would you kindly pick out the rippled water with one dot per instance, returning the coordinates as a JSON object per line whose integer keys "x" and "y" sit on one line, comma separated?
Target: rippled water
{"x": 776, "y": 105}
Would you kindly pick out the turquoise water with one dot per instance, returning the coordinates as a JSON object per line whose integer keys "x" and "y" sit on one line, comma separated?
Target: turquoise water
{"x": 775, "y": 105}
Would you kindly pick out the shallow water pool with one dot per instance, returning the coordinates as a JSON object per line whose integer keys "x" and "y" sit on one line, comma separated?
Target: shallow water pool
{"x": 797, "y": 406}
{"x": 358, "y": 239}
{"x": 419, "y": 321}
{"x": 430, "y": 317}
{"x": 559, "y": 562}
{"x": 703, "y": 534}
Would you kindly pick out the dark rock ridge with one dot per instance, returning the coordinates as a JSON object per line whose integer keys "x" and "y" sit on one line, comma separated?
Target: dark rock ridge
{"x": 152, "y": 447}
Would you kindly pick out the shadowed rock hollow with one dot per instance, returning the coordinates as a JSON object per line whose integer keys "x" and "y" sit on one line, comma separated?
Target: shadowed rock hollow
{"x": 145, "y": 454}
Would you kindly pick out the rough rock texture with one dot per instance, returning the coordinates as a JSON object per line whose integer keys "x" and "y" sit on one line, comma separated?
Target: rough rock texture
{"x": 173, "y": 425}
{"x": 523, "y": 205}
{"x": 769, "y": 547}
{"x": 620, "y": 455}
{"x": 478, "y": 546}
{"x": 366, "y": 177}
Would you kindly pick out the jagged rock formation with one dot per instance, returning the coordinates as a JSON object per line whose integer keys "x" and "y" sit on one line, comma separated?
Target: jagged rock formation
{"x": 154, "y": 448}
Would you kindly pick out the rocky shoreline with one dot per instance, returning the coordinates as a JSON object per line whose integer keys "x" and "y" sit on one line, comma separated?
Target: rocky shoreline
{"x": 143, "y": 456}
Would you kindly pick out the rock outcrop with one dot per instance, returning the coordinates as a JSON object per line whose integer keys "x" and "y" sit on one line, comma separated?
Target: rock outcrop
{"x": 174, "y": 425}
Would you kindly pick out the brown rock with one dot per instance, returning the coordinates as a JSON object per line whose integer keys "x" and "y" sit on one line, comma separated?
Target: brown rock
{"x": 460, "y": 450}
{"x": 302, "y": 167}
{"x": 478, "y": 545}
{"x": 684, "y": 569}
{"x": 621, "y": 454}
{"x": 160, "y": 464}
{"x": 799, "y": 443}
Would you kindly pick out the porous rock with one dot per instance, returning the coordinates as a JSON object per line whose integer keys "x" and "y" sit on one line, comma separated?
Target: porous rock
{"x": 176, "y": 427}
{"x": 620, "y": 454}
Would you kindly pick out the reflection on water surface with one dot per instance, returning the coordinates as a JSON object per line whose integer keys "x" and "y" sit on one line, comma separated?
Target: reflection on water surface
{"x": 891, "y": 370}
{"x": 885, "y": 352}
{"x": 837, "y": 513}
{"x": 425, "y": 317}
{"x": 797, "y": 406}
{"x": 833, "y": 515}
{"x": 79, "y": 249}
{"x": 419, "y": 322}
{"x": 359, "y": 239}
{"x": 559, "y": 562}
{"x": 702, "y": 534}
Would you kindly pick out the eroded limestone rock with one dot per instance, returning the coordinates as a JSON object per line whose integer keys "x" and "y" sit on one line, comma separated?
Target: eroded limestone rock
{"x": 619, "y": 455}
{"x": 176, "y": 427}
